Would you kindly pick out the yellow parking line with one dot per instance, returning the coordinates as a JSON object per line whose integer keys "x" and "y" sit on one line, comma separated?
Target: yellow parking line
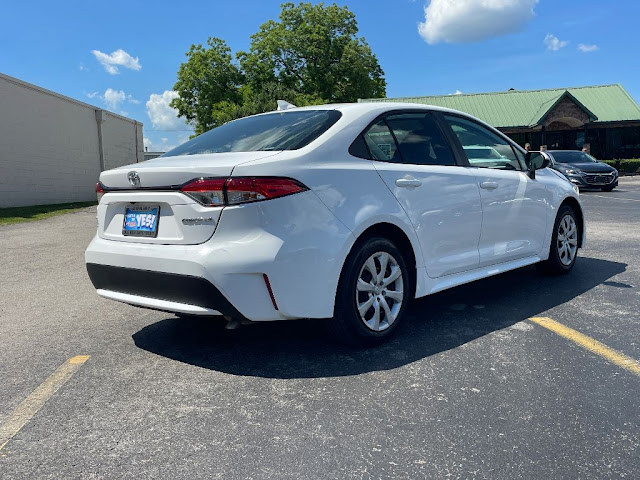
{"x": 34, "y": 402}
{"x": 588, "y": 343}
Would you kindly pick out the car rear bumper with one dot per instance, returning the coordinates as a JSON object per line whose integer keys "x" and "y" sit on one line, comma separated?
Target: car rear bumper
{"x": 266, "y": 261}
{"x": 160, "y": 290}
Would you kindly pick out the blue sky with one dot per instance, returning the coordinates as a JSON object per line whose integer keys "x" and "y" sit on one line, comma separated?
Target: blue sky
{"x": 124, "y": 55}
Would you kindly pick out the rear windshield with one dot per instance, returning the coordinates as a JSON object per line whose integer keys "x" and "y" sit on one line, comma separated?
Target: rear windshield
{"x": 573, "y": 157}
{"x": 274, "y": 131}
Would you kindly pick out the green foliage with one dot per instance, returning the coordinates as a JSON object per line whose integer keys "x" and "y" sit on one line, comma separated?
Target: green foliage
{"x": 631, "y": 165}
{"x": 38, "y": 212}
{"x": 207, "y": 85}
{"x": 312, "y": 55}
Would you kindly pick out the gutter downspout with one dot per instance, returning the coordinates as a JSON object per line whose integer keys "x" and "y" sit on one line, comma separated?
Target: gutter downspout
{"x": 99, "y": 121}
{"x": 135, "y": 133}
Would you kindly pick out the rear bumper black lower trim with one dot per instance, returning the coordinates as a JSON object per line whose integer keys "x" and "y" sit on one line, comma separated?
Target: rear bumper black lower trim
{"x": 162, "y": 286}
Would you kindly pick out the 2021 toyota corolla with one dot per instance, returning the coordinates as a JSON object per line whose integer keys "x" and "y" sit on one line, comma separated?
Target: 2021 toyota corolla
{"x": 338, "y": 211}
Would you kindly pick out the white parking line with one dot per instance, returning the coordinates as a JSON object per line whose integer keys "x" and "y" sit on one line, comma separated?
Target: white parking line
{"x": 614, "y": 198}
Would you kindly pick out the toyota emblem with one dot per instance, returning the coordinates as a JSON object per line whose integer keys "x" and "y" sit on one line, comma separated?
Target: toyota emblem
{"x": 134, "y": 179}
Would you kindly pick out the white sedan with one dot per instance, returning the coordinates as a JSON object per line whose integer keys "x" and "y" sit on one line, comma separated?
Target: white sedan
{"x": 344, "y": 212}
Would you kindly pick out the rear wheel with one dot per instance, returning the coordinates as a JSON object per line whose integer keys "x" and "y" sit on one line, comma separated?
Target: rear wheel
{"x": 564, "y": 243}
{"x": 373, "y": 293}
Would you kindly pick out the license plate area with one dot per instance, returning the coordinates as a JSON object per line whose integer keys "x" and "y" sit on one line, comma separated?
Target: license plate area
{"x": 141, "y": 221}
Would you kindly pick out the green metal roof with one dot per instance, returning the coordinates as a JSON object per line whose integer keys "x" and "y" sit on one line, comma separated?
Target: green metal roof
{"x": 526, "y": 108}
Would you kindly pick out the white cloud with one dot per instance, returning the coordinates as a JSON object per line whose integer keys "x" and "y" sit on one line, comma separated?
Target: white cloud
{"x": 113, "y": 98}
{"x": 462, "y": 21}
{"x": 119, "y": 58}
{"x": 162, "y": 116}
{"x": 457, "y": 92}
{"x": 553, "y": 43}
{"x": 587, "y": 48}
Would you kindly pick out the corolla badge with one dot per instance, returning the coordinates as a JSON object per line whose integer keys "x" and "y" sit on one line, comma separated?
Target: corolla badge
{"x": 134, "y": 178}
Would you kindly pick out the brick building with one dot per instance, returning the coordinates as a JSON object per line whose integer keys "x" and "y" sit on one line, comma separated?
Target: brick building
{"x": 603, "y": 116}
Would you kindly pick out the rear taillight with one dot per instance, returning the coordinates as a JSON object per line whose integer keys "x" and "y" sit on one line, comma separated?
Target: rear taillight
{"x": 215, "y": 192}
{"x": 253, "y": 189}
{"x": 99, "y": 191}
{"x": 207, "y": 191}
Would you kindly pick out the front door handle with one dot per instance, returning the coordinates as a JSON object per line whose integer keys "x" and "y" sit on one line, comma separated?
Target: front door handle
{"x": 489, "y": 185}
{"x": 408, "y": 182}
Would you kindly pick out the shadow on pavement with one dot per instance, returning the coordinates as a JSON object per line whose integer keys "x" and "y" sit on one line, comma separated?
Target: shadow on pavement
{"x": 301, "y": 349}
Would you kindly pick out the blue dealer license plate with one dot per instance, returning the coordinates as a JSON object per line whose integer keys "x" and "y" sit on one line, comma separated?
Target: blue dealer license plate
{"x": 141, "y": 221}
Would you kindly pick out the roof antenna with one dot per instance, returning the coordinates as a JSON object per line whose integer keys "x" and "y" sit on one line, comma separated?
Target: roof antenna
{"x": 283, "y": 105}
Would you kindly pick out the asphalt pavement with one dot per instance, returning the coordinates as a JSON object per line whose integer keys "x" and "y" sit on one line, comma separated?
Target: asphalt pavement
{"x": 470, "y": 387}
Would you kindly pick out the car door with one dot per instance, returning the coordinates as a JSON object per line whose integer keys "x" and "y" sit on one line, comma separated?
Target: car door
{"x": 514, "y": 206}
{"x": 440, "y": 197}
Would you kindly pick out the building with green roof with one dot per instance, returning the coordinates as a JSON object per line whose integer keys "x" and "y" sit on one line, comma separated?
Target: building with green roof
{"x": 603, "y": 118}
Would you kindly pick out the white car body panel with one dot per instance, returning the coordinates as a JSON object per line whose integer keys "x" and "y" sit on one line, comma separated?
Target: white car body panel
{"x": 458, "y": 232}
{"x": 515, "y": 215}
{"x": 444, "y": 210}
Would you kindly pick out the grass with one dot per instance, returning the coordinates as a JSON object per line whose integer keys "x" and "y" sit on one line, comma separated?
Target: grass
{"x": 32, "y": 213}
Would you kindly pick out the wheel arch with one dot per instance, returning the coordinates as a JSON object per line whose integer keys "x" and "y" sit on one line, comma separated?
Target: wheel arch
{"x": 398, "y": 237}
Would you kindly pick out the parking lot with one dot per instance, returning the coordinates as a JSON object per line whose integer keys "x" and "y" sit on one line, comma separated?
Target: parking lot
{"x": 470, "y": 388}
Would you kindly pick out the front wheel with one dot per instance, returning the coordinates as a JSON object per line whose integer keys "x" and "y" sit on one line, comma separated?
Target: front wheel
{"x": 373, "y": 293}
{"x": 607, "y": 189}
{"x": 564, "y": 243}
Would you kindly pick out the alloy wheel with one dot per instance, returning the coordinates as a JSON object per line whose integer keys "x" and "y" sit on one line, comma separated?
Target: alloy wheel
{"x": 567, "y": 243}
{"x": 379, "y": 291}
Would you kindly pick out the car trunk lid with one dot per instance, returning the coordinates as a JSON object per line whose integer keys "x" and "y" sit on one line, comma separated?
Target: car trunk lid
{"x": 149, "y": 193}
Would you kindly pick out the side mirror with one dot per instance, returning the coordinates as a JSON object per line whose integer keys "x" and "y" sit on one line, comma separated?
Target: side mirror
{"x": 536, "y": 161}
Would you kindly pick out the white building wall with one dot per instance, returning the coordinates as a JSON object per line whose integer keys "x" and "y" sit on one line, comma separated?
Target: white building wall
{"x": 50, "y": 146}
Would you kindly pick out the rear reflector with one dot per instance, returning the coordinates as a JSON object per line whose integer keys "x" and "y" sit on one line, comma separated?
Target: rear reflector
{"x": 268, "y": 284}
{"x": 215, "y": 192}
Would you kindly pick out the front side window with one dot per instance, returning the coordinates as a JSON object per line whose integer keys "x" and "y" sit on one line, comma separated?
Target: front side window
{"x": 420, "y": 139}
{"x": 483, "y": 148}
{"x": 270, "y": 132}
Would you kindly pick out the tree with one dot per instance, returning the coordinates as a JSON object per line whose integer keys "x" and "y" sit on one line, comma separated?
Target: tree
{"x": 313, "y": 50}
{"x": 208, "y": 84}
{"x": 312, "y": 55}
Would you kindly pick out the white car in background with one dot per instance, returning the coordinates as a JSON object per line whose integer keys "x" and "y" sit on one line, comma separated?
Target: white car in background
{"x": 344, "y": 212}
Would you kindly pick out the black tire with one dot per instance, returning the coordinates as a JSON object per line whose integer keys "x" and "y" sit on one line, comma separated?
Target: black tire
{"x": 607, "y": 189}
{"x": 348, "y": 326}
{"x": 557, "y": 263}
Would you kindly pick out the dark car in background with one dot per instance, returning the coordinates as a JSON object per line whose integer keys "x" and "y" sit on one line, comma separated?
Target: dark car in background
{"x": 583, "y": 170}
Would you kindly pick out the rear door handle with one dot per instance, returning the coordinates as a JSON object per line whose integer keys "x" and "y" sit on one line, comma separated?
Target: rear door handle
{"x": 408, "y": 182}
{"x": 489, "y": 185}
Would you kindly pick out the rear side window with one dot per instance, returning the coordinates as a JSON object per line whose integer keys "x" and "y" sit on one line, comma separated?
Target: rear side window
{"x": 273, "y": 131}
{"x": 381, "y": 143}
{"x": 420, "y": 139}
